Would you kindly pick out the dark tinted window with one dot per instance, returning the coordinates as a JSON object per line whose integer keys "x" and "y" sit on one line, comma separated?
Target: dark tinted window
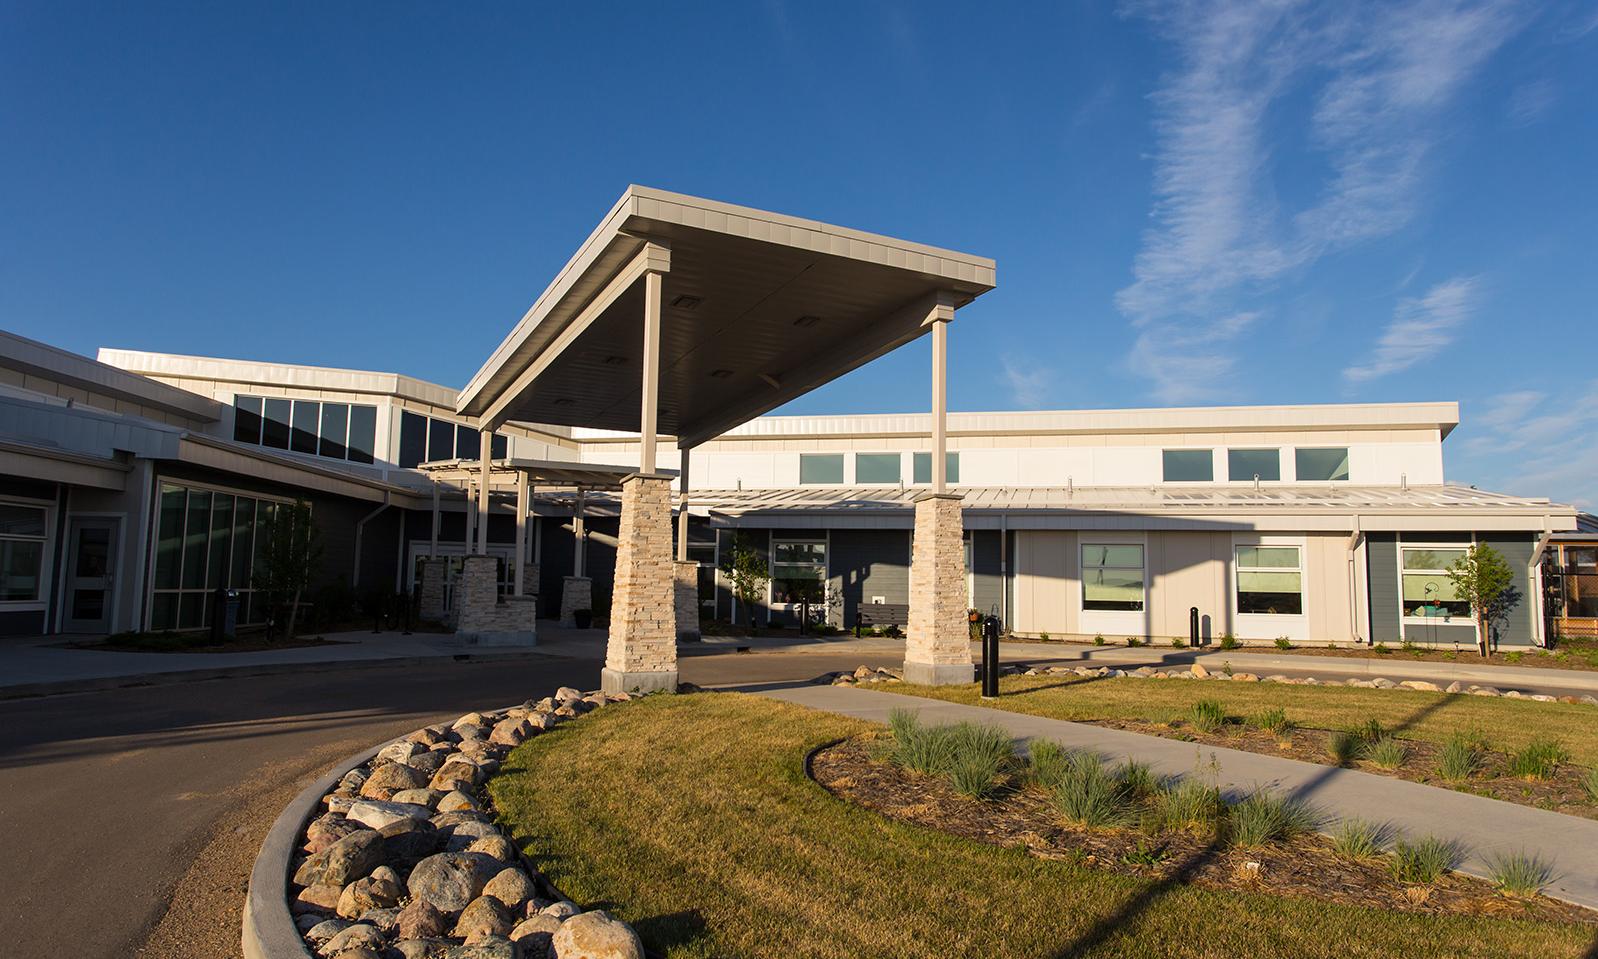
{"x": 413, "y": 440}
{"x": 921, "y": 465}
{"x": 1329, "y": 464}
{"x": 335, "y": 422}
{"x": 275, "y": 428}
{"x": 1189, "y": 466}
{"x": 465, "y": 442}
{"x": 247, "y": 419}
{"x": 501, "y": 447}
{"x": 306, "y": 416}
{"x": 440, "y": 440}
{"x": 363, "y": 433}
{"x": 1246, "y": 464}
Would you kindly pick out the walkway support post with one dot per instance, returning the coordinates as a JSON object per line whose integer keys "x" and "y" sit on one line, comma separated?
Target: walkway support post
{"x": 938, "y": 640}
{"x": 685, "y": 577}
{"x": 577, "y": 590}
{"x": 485, "y": 446}
{"x": 521, "y": 533}
{"x": 642, "y": 652}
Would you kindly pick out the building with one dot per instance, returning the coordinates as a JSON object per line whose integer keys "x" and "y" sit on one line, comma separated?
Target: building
{"x": 134, "y": 487}
{"x": 1570, "y": 581}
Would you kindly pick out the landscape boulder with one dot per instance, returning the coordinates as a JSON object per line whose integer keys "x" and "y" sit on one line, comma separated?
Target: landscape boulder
{"x": 345, "y": 861}
{"x": 366, "y": 894}
{"x": 451, "y": 880}
{"x": 328, "y": 829}
{"x": 594, "y": 935}
{"x": 483, "y": 916}
{"x": 534, "y": 935}
{"x": 359, "y": 935}
{"x": 511, "y": 886}
{"x": 420, "y": 919}
{"x": 389, "y": 779}
{"x": 375, "y": 813}
{"x": 408, "y": 841}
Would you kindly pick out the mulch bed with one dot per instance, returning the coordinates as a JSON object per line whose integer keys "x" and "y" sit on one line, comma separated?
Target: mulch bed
{"x": 1024, "y": 816}
{"x": 1563, "y": 793}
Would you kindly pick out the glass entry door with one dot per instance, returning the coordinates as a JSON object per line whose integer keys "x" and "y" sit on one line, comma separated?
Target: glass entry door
{"x": 91, "y": 574}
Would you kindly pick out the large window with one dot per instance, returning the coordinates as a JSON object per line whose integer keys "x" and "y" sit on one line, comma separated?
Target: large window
{"x": 340, "y": 431}
{"x": 820, "y": 468}
{"x": 425, "y": 439}
{"x": 205, "y": 540}
{"x": 22, "y": 538}
{"x": 1112, "y": 576}
{"x": 1322, "y": 465}
{"x": 1245, "y": 465}
{"x": 1570, "y": 575}
{"x": 1270, "y": 580}
{"x": 877, "y": 468}
{"x": 1427, "y": 591}
{"x": 1189, "y": 466}
{"x": 798, "y": 571}
{"x": 921, "y": 467}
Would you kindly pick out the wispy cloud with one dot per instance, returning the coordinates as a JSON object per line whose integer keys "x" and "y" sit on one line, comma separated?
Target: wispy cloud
{"x": 1379, "y": 76}
{"x": 1189, "y": 363}
{"x": 1421, "y": 326}
{"x": 1028, "y": 383}
{"x": 1530, "y": 102}
{"x": 1553, "y": 439}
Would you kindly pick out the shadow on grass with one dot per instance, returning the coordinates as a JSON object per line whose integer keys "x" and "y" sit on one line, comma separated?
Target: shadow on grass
{"x": 667, "y": 932}
{"x": 1121, "y": 919}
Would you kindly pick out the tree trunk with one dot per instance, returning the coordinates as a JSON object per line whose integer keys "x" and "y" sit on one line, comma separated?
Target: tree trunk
{"x": 1483, "y": 636}
{"x": 294, "y": 609}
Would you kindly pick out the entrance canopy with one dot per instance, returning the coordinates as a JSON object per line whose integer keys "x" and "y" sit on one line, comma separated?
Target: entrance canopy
{"x": 538, "y": 472}
{"x": 750, "y": 309}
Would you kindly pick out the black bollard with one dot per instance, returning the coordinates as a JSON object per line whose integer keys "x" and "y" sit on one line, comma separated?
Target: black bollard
{"x": 990, "y": 658}
{"x": 1192, "y": 627}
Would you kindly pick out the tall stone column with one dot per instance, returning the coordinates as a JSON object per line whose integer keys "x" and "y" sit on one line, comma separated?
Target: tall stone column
{"x": 687, "y": 600}
{"x": 642, "y": 653}
{"x": 937, "y": 649}
{"x": 430, "y": 605}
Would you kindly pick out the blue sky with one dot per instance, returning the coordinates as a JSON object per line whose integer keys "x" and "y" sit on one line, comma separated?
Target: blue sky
{"x": 1230, "y": 202}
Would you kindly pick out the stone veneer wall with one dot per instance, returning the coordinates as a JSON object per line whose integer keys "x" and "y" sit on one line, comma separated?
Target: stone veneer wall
{"x": 643, "y": 619}
{"x": 937, "y": 643}
{"x": 686, "y": 591}
{"x": 480, "y": 613}
{"x": 430, "y": 604}
{"x": 576, "y": 592}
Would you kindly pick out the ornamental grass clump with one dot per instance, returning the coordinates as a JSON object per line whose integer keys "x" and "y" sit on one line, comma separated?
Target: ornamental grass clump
{"x": 1189, "y": 804}
{"x": 1344, "y": 747}
{"x": 1273, "y": 720}
{"x": 1518, "y": 874}
{"x": 1589, "y": 783}
{"x": 1389, "y": 752}
{"x": 1206, "y": 715}
{"x": 923, "y": 749}
{"x": 1089, "y": 794}
{"x": 1538, "y": 759}
{"x": 1423, "y": 861}
{"x": 1137, "y": 779}
{"x": 1262, "y": 817}
{"x": 1358, "y": 839}
{"x": 973, "y": 757}
{"x": 1462, "y": 756}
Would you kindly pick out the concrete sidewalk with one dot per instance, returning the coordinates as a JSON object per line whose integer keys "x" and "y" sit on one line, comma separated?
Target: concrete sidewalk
{"x": 1481, "y": 827}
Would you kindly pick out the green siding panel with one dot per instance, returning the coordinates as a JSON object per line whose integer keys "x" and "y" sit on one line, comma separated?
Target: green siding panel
{"x": 987, "y": 589}
{"x": 1516, "y": 629}
{"x": 866, "y": 563}
{"x": 1381, "y": 563}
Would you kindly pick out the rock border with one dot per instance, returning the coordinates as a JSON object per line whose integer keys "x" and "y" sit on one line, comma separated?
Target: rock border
{"x": 865, "y": 675}
{"x": 270, "y": 928}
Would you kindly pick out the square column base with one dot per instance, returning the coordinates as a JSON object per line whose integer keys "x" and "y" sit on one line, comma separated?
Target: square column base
{"x": 933, "y": 674}
{"x": 686, "y": 595}
{"x": 616, "y": 681}
{"x": 576, "y": 592}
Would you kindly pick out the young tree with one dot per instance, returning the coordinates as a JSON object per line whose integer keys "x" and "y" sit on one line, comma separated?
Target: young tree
{"x": 747, "y": 570}
{"x": 1485, "y": 580}
{"x": 288, "y": 559}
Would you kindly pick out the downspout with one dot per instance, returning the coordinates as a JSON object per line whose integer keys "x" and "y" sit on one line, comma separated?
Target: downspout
{"x": 360, "y": 527}
{"x": 1353, "y": 579}
{"x": 1534, "y": 570}
{"x": 1004, "y": 570}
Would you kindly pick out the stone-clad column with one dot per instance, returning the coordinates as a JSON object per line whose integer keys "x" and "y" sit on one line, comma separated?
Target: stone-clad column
{"x": 687, "y": 600}
{"x": 642, "y": 653}
{"x": 937, "y": 649}
{"x": 430, "y": 604}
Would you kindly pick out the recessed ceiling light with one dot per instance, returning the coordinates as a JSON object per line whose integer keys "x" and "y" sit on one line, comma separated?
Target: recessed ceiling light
{"x": 563, "y": 401}
{"x": 614, "y": 360}
{"x": 772, "y": 380}
{"x": 686, "y": 301}
{"x": 806, "y": 321}
{"x": 721, "y": 374}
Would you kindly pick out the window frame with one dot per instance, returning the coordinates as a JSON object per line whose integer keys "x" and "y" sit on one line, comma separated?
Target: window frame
{"x": 1142, "y": 568}
{"x": 773, "y": 544}
{"x": 1464, "y": 619}
{"x": 1231, "y": 478}
{"x": 1238, "y": 569}
{"x": 882, "y": 459}
{"x": 1298, "y": 466}
{"x": 46, "y": 541}
{"x": 1165, "y": 466}
{"x": 247, "y": 592}
{"x": 817, "y": 457}
{"x": 951, "y": 468}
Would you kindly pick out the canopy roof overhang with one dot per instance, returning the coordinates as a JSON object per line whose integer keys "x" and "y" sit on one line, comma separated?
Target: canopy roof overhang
{"x": 757, "y": 309}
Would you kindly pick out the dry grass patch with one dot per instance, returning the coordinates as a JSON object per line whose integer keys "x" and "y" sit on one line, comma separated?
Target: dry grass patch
{"x": 692, "y": 817}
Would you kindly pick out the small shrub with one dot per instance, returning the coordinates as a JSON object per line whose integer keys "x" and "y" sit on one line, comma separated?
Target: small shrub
{"x": 1145, "y": 854}
{"x": 1538, "y": 759}
{"x": 1137, "y": 779}
{"x": 917, "y": 747}
{"x": 1589, "y": 782}
{"x": 1190, "y": 803}
{"x": 1047, "y": 762}
{"x": 1389, "y": 752}
{"x": 1370, "y": 731}
{"x": 1358, "y": 839}
{"x": 1518, "y": 873}
{"x": 1409, "y": 647}
{"x": 1421, "y": 862}
{"x": 1098, "y": 640}
{"x": 1282, "y": 642}
{"x": 1262, "y": 817}
{"x": 1380, "y": 649}
{"x": 1133, "y": 642}
{"x": 1344, "y": 747}
{"x": 1226, "y": 667}
{"x": 1178, "y": 642}
{"x": 971, "y": 756}
{"x": 1461, "y": 757}
{"x": 1090, "y": 795}
{"x": 1044, "y": 637}
{"x": 1512, "y": 657}
{"x": 1273, "y": 720}
{"x": 1228, "y": 641}
{"x": 1206, "y": 715}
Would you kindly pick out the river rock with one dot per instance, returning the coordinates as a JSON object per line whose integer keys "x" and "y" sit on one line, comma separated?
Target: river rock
{"x": 561, "y": 910}
{"x": 327, "y": 829}
{"x": 566, "y": 694}
{"x": 420, "y": 919}
{"x": 511, "y": 886}
{"x": 451, "y": 880}
{"x": 349, "y": 859}
{"x": 534, "y": 935}
{"x": 483, "y": 916}
{"x": 398, "y": 752}
{"x": 428, "y": 948}
{"x": 1421, "y": 685}
{"x": 489, "y": 947}
{"x": 356, "y": 936}
{"x": 419, "y": 797}
{"x": 325, "y": 930}
{"x": 426, "y": 737}
{"x": 510, "y": 732}
{"x": 364, "y": 894}
{"x": 409, "y": 841}
{"x": 1199, "y": 672}
{"x": 385, "y": 919}
{"x": 496, "y": 845}
{"x": 389, "y": 779}
{"x": 457, "y": 774}
{"x": 318, "y": 899}
{"x": 457, "y": 801}
{"x": 429, "y": 762}
{"x": 594, "y": 935}
{"x": 461, "y": 835}
{"x": 1455, "y": 687}
{"x": 375, "y": 814}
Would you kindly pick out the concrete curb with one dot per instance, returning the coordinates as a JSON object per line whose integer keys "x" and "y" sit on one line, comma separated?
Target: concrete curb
{"x": 169, "y": 677}
{"x": 268, "y": 928}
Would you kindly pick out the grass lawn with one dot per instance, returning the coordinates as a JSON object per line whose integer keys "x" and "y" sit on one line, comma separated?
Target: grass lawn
{"x": 1431, "y": 717}
{"x": 692, "y": 818}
